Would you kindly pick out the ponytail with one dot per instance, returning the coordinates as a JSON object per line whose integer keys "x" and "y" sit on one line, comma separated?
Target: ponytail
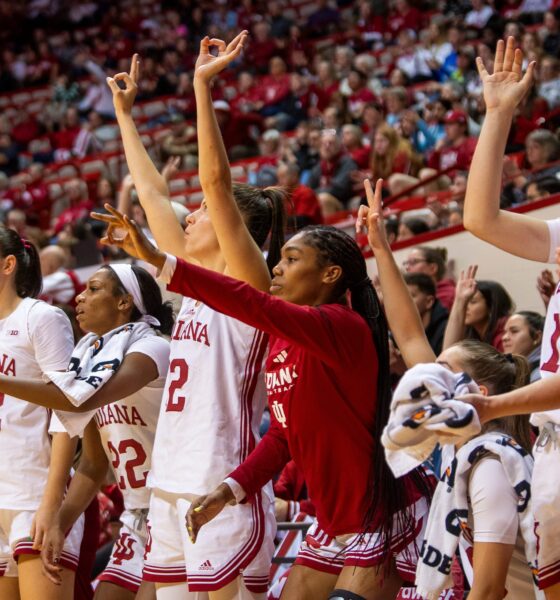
{"x": 389, "y": 498}
{"x": 28, "y": 280}
{"x": 500, "y": 373}
{"x": 265, "y": 217}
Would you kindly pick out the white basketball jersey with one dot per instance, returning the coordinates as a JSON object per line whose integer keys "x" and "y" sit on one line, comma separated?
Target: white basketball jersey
{"x": 127, "y": 428}
{"x": 550, "y": 354}
{"x": 213, "y": 400}
{"x": 36, "y": 337}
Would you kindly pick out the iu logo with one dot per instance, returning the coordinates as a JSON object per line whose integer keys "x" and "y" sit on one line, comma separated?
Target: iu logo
{"x": 278, "y": 410}
{"x": 123, "y": 548}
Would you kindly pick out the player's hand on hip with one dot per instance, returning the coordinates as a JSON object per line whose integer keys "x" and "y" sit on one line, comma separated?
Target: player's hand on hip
{"x": 507, "y": 86}
{"x": 127, "y": 235}
{"x": 123, "y": 99}
{"x": 205, "y": 508}
{"x": 208, "y": 65}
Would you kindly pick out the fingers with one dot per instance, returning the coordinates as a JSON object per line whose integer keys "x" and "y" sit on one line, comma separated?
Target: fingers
{"x": 38, "y": 538}
{"x": 374, "y": 198}
{"x": 509, "y": 55}
{"x": 529, "y": 77}
{"x": 113, "y": 85}
{"x": 205, "y": 45}
{"x": 103, "y": 217}
{"x": 116, "y": 213}
{"x": 233, "y": 44}
{"x": 481, "y": 68}
{"x": 220, "y": 44}
{"x": 499, "y": 56}
{"x": 134, "y": 68}
{"x": 129, "y": 83}
{"x": 361, "y": 219}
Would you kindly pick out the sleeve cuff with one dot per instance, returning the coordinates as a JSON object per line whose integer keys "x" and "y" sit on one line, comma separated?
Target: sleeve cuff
{"x": 168, "y": 270}
{"x": 236, "y": 488}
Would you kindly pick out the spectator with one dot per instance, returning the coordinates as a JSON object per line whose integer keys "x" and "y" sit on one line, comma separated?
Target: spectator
{"x": 411, "y": 227}
{"x": 181, "y": 141}
{"x": 412, "y": 60}
{"x": 390, "y": 153}
{"x": 305, "y": 208}
{"x": 479, "y": 15}
{"x": 9, "y": 164}
{"x": 432, "y": 313}
{"x": 542, "y": 188}
{"x": 60, "y": 286}
{"x": 396, "y": 100}
{"x": 479, "y": 312}
{"x": 237, "y": 130}
{"x": 551, "y": 33}
{"x": 352, "y": 140}
{"x": 79, "y": 205}
{"x": 98, "y": 95}
{"x": 279, "y": 24}
{"x": 331, "y": 178}
{"x": 549, "y": 81}
{"x": 523, "y": 333}
{"x": 326, "y": 84}
{"x": 322, "y": 21}
{"x": 275, "y": 87}
{"x": 402, "y": 16}
{"x": 359, "y": 95}
{"x": 433, "y": 262}
{"x": 261, "y": 48}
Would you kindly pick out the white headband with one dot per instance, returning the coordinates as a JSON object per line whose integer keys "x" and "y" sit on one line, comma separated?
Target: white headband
{"x": 129, "y": 281}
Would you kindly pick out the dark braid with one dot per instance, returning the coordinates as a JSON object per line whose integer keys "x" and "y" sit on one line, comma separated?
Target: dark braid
{"x": 388, "y": 494}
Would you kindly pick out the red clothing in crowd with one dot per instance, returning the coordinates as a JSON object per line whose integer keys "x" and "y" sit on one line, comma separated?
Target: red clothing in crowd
{"x": 445, "y": 292}
{"x": 321, "y": 377}
{"x": 306, "y": 204}
{"x": 359, "y": 98}
{"x": 397, "y": 21}
{"x": 324, "y": 95}
{"x": 454, "y": 156}
{"x": 361, "y": 157}
{"x": 274, "y": 88}
{"x": 73, "y": 214}
{"x": 64, "y": 138}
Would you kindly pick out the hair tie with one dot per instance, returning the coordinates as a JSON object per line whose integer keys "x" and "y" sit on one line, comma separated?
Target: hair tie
{"x": 25, "y": 243}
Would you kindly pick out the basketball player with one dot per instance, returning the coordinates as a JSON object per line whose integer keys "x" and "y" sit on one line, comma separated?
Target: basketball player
{"x": 214, "y": 396}
{"x": 123, "y": 429}
{"x": 328, "y": 387}
{"x": 34, "y": 337}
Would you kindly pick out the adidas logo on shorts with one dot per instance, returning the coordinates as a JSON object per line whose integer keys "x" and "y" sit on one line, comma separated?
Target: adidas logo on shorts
{"x": 206, "y": 566}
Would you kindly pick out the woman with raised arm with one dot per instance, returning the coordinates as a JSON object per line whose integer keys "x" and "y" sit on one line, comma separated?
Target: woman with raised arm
{"x": 328, "y": 387}
{"x": 215, "y": 395}
{"x": 114, "y": 378}
{"x": 536, "y": 240}
{"x": 494, "y": 540}
{"x": 34, "y": 337}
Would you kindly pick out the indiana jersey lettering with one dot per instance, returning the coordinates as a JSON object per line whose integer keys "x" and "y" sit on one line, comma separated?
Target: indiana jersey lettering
{"x": 213, "y": 401}
{"x": 127, "y": 428}
{"x": 43, "y": 342}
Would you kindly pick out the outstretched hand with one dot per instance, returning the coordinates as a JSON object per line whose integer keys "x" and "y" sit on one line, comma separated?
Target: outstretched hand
{"x": 207, "y": 65}
{"x": 205, "y": 508}
{"x": 123, "y": 99}
{"x": 507, "y": 86}
{"x": 371, "y": 216}
{"x": 466, "y": 284}
{"x": 125, "y": 234}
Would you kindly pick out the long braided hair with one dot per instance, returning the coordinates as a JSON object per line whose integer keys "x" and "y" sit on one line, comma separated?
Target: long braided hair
{"x": 388, "y": 494}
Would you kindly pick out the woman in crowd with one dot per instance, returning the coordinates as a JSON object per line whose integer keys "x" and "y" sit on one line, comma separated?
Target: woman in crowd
{"x": 119, "y": 311}
{"x": 523, "y": 333}
{"x": 329, "y": 390}
{"x": 214, "y": 395}
{"x": 36, "y": 337}
{"x": 479, "y": 312}
{"x": 496, "y": 557}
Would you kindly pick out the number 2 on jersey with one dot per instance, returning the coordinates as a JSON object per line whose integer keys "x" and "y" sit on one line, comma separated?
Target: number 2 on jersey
{"x": 551, "y": 365}
{"x": 175, "y": 402}
{"x": 130, "y": 464}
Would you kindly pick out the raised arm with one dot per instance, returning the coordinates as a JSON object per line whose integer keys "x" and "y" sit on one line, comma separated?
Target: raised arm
{"x": 151, "y": 185}
{"x": 243, "y": 257}
{"x": 402, "y": 315}
{"x": 503, "y": 90}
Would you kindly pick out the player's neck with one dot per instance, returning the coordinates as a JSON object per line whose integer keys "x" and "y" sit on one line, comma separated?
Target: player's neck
{"x": 9, "y": 301}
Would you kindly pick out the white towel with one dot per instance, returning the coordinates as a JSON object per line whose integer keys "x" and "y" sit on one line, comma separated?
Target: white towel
{"x": 424, "y": 412}
{"x": 447, "y": 522}
{"x": 94, "y": 361}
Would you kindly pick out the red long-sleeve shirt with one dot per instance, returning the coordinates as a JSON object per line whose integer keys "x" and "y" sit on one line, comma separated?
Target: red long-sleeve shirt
{"x": 321, "y": 378}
